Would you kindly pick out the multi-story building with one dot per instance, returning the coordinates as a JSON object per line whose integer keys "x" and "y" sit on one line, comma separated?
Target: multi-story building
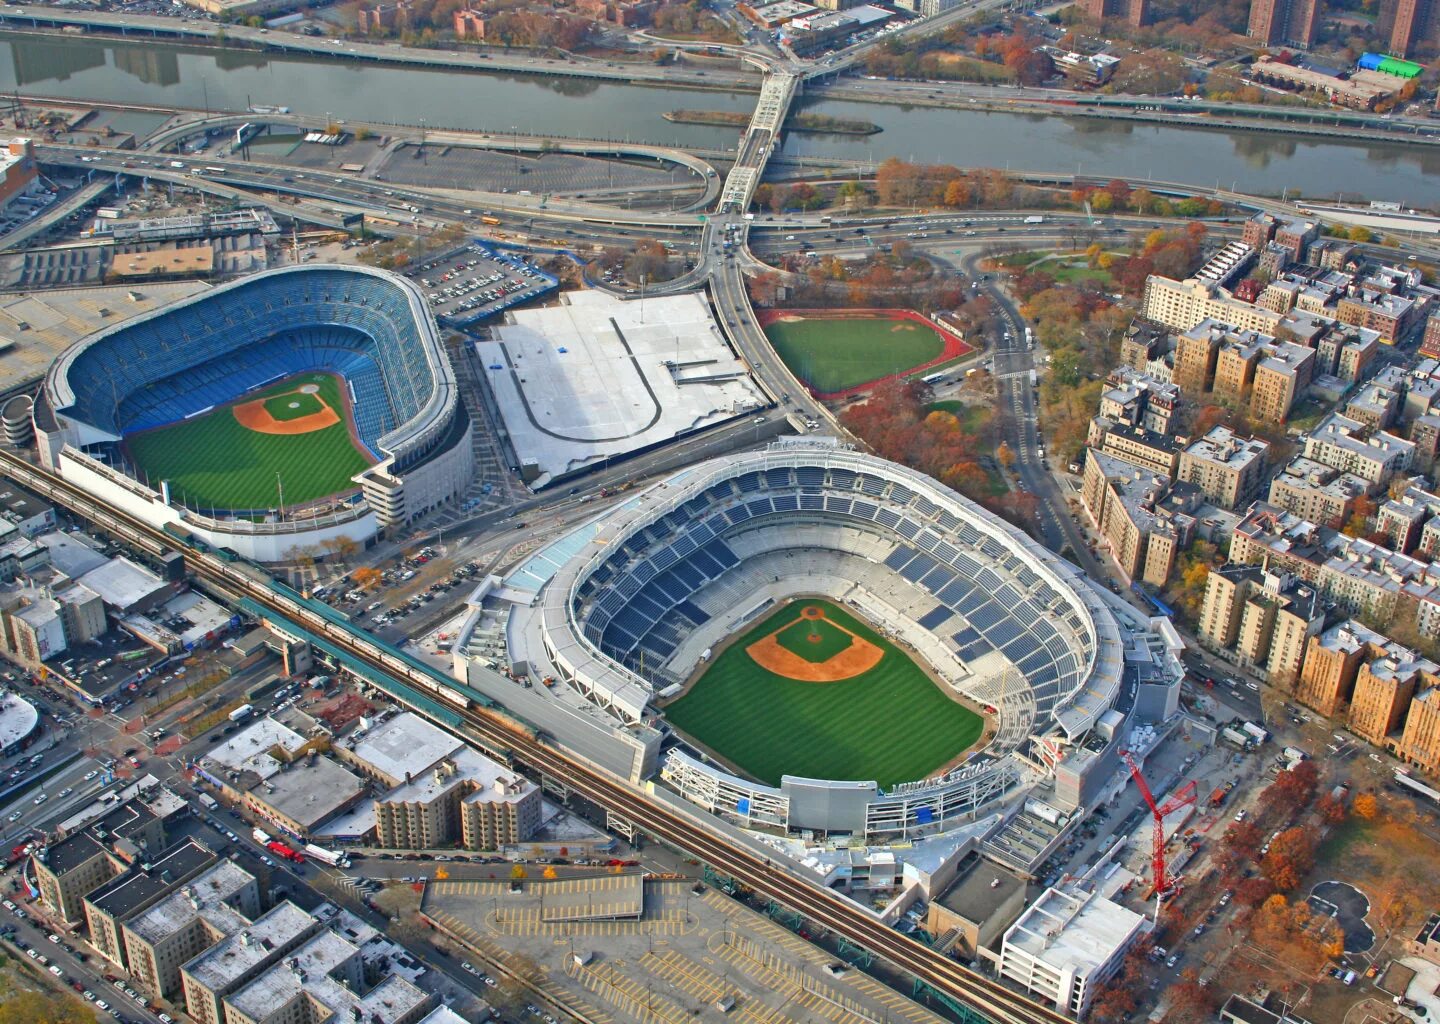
{"x": 1425, "y": 436}
{"x": 443, "y": 791}
{"x": 1180, "y": 305}
{"x": 1357, "y": 576}
{"x": 1332, "y": 664}
{"x": 1227, "y": 469}
{"x": 1402, "y": 519}
{"x": 1066, "y": 945}
{"x": 208, "y": 979}
{"x": 1383, "y": 691}
{"x": 1136, "y": 399}
{"x": 1430, "y": 343}
{"x": 1317, "y": 492}
{"x": 1349, "y": 445}
{"x": 1290, "y": 233}
{"x": 72, "y": 865}
{"x": 1148, "y": 347}
{"x": 1136, "y": 13}
{"x": 220, "y": 902}
{"x": 327, "y": 978}
{"x": 138, "y": 888}
{"x": 1375, "y": 405}
{"x": 1420, "y": 740}
{"x": 1413, "y": 22}
{"x": 1146, "y": 521}
{"x": 469, "y": 24}
{"x": 1156, "y": 453}
{"x": 1242, "y": 364}
{"x": 1264, "y": 617}
{"x": 1390, "y": 316}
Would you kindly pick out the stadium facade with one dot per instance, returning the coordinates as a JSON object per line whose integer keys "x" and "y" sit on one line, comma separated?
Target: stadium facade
{"x": 370, "y": 327}
{"x": 625, "y": 610}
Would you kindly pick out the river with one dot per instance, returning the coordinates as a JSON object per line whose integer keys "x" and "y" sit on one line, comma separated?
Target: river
{"x": 233, "y": 79}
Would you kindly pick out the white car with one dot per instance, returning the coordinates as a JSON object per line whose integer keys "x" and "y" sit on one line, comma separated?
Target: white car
{"x": 67, "y": 791}
{"x": 14, "y": 816}
{"x": 92, "y": 774}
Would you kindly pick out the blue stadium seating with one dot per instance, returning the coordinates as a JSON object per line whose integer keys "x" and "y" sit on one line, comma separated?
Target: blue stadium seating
{"x": 186, "y": 359}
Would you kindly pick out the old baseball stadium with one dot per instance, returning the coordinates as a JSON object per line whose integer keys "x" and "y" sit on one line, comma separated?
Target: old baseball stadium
{"x": 268, "y": 414}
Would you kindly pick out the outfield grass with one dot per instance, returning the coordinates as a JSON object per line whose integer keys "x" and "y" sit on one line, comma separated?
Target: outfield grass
{"x": 213, "y": 461}
{"x": 890, "y": 724}
{"x": 833, "y": 354}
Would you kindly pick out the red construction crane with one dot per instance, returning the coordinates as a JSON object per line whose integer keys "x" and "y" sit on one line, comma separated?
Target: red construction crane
{"x": 1164, "y": 884}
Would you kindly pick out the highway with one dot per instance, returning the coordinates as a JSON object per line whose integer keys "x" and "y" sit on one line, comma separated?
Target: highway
{"x": 673, "y": 826}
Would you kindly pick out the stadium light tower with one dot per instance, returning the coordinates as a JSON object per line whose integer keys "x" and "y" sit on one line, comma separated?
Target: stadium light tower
{"x": 1164, "y": 884}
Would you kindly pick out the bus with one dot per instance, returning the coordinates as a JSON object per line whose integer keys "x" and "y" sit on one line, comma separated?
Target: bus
{"x": 492, "y": 221}
{"x": 932, "y": 378}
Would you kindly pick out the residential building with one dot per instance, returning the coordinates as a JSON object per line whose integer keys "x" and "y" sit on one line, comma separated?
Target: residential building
{"x": 1347, "y": 444}
{"x": 1358, "y": 576}
{"x": 1136, "y": 13}
{"x": 328, "y": 978}
{"x": 1146, "y": 521}
{"x": 1227, "y": 469}
{"x": 1268, "y": 374}
{"x": 1157, "y": 453}
{"x": 19, "y": 174}
{"x": 1413, "y": 21}
{"x": 234, "y": 961}
{"x": 1345, "y": 352}
{"x": 135, "y": 890}
{"x": 1180, "y": 305}
{"x": 469, "y": 24}
{"x": 1425, "y": 436}
{"x": 158, "y": 942}
{"x": 1390, "y": 316}
{"x": 1136, "y": 399}
{"x": 384, "y": 17}
{"x": 1148, "y": 347}
{"x": 1332, "y": 664}
{"x": 72, "y": 865}
{"x": 1374, "y": 405}
{"x": 1265, "y": 618}
{"x": 1420, "y": 740}
{"x": 1402, "y": 519}
{"x": 1066, "y": 945}
{"x": 1430, "y": 343}
{"x": 1289, "y": 233}
{"x": 442, "y": 791}
{"x": 1317, "y": 492}
{"x": 1383, "y": 691}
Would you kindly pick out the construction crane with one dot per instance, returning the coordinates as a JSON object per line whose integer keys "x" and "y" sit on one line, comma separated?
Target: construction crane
{"x": 1164, "y": 884}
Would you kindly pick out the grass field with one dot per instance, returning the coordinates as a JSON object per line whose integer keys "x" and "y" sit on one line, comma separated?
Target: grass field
{"x": 212, "y": 460}
{"x": 834, "y": 353}
{"x": 890, "y": 724}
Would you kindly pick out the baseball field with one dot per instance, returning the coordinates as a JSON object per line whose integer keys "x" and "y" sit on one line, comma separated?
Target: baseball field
{"x": 229, "y": 457}
{"x": 813, "y": 691}
{"x": 837, "y": 352}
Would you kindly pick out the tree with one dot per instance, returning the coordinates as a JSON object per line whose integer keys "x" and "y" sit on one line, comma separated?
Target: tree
{"x": 1190, "y": 1001}
{"x": 1366, "y": 806}
{"x": 1291, "y": 857}
{"x": 1005, "y": 455}
{"x": 518, "y": 873}
{"x": 1331, "y": 809}
{"x": 24, "y": 1007}
{"x": 366, "y": 578}
{"x": 1292, "y": 790}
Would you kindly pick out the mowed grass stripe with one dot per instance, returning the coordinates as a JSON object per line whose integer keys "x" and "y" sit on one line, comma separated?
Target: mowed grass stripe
{"x": 835, "y": 354}
{"x": 213, "y": 461}
{"x": 891, "y": 724}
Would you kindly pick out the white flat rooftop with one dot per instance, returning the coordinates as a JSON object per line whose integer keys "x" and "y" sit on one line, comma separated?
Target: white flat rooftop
{"x": 1070, "y": 931}
{"x": 249, "y": 749}
{"x": 406, "y": 743}
{"x": 597, "y": 377}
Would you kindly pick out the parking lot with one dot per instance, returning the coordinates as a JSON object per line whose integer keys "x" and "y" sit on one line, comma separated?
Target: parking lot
{"x": 467, "y": 284}
{"x": 691, "y": 954}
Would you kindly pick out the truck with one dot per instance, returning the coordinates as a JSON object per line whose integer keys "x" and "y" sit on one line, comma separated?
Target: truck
{"x": 208, "y": 802}
{"x": 1235, "y": 738}
{"x": 335, "y": 860}
{"x": 1034, "y": 219}
{"x": 1294, "y": 755}
{"x": 284, "y": 852}
{"x": 1261, "y": 734}
{"x": 241, "y": 713}
{"x": 261, "y": 836}
{"x": 1218, "y": 796}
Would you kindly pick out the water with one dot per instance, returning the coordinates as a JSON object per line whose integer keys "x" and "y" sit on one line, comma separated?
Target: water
{"x": 230, "y": 80}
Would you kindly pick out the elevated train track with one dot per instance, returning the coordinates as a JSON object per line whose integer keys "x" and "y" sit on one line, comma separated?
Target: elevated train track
{"x": 982, "y": 999}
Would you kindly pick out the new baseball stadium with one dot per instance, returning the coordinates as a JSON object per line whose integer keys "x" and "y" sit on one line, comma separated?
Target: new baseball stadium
{"x": 810, "y": 638}
{"x": 272, "y": 413}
